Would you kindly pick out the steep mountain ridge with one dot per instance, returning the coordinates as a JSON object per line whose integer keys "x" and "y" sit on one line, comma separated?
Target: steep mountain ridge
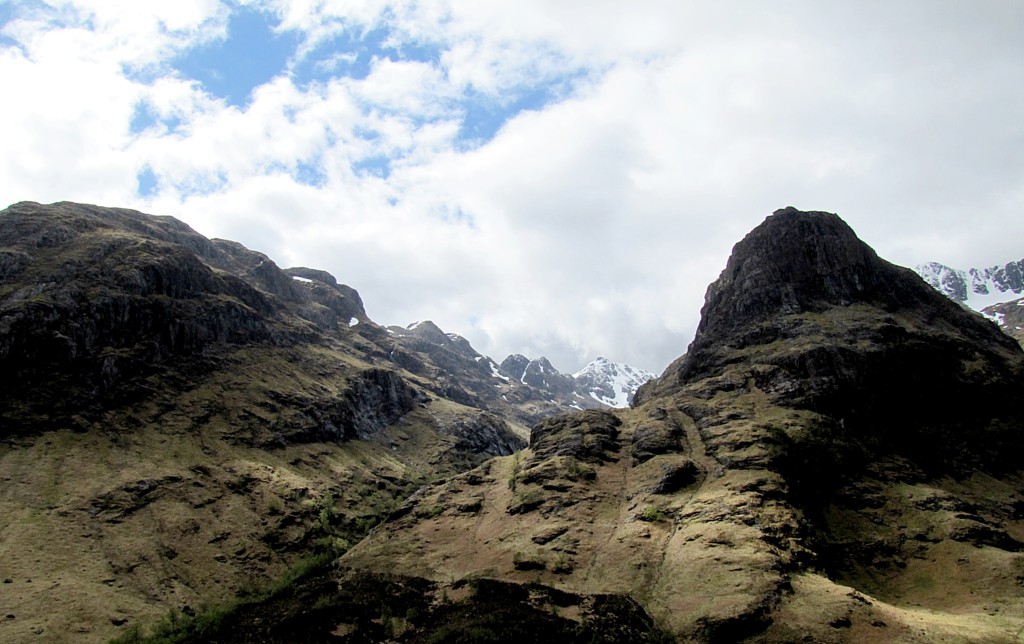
{"x": 608, "y": 383}
{"x": 795, "y": 476}
{"x": 181, "y": 419}
{"x": 528, "y": 389}
{"x": 462, "y": 374}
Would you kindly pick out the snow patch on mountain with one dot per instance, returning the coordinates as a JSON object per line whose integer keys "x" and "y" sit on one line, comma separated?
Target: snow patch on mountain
{"x": 494, "y": 370}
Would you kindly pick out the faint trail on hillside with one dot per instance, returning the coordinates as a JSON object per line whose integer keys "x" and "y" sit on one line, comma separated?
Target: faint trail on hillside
{"x": 695, "y": 444}
{"x": 621, "y": 488}
{"x": 708, "y": 465}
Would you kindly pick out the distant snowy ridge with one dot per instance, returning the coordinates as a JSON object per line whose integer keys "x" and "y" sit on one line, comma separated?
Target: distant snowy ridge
{"x": 611, "y": 383}
{"x": 977, "y": 288}
{"x": 533, "y": 383}
{"x": 994, "y": 292}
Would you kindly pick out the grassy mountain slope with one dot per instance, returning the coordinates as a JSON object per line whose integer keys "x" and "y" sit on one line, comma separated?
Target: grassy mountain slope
{"x": 181, "y": 420}
{"x": 802, "y": 473}
{"x": 835, "y": 458}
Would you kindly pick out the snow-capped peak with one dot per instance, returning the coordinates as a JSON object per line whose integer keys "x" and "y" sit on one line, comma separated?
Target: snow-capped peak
{"x": 611, "y": 383}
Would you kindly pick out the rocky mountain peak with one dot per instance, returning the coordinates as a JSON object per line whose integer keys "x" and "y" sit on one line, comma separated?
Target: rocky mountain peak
{"x": 537, "y": 373}
{"x": 514, "y": 366}
{"x": 793, "y": 262}
{"x": 611, "y": 383}
{"x": 428, "y": 331}
{"x": 800, "y": 262}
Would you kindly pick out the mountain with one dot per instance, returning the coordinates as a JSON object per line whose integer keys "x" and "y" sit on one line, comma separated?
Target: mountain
{"x": 525, "y": 389}
{"x": 462, "y": 374}
{"x": 1009, "y": 316}
{"x": 834, "y": 458}
{"x": 976, "y": 287}
{"x": 805, "y": 472}
{"x": 991, "y": 291}
{"x": 182, "y": 420}
{"x": 612, "y": 383}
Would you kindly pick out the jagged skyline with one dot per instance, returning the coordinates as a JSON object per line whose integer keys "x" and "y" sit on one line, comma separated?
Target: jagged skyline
{"x": 558, "y": 181}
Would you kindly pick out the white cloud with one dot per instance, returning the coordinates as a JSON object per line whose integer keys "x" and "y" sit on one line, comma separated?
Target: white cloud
{"x": 590, "y": 225}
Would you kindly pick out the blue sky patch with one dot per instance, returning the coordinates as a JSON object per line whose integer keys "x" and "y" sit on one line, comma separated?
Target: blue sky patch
{"x": 10, "y": 11}
{"x": 485, "y": 115}
{"x": 251, "y": 55}
{"x": 7, "y": 14}
{"x": 144, "y": 117}
{"x": 148, "y": 182}
{"x": 342, "y": 55}
{"x": 377, "y": 166}
{"x": 351, "y": 55}
{"x": 310, "y": 173}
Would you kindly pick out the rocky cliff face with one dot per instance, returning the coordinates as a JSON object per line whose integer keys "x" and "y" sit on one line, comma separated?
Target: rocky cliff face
{"x": 796, "y": 264}
{"x": 799, "y": 474}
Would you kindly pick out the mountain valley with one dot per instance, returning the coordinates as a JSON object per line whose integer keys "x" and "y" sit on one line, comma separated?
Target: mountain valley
{"x": 200, "y": 446}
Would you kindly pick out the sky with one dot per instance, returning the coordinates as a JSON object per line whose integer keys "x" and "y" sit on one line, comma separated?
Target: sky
{"x": 559, "y": 179}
